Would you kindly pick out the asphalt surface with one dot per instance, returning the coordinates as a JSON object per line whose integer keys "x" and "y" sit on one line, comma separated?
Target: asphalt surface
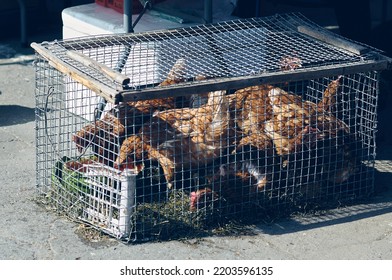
{"x": 29, "y": 231}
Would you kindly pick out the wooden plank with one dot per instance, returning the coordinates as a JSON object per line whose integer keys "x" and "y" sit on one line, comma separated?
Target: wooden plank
{"x": 325, "y": 37}
{"x": 188, "y": 88}
{"x": 89, "y": 62}
{"x": 99, "y": 88}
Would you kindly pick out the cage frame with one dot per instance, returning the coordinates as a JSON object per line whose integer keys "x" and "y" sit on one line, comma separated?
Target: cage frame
{"x": 118, "y": 91}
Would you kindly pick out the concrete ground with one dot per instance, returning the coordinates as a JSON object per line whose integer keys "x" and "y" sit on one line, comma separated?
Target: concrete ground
{"x": 29, "y": 231}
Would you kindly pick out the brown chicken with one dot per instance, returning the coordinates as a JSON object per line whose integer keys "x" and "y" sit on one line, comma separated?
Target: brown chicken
{"x": 248, "y": 170}
{"x": 251, "y": 108}
{"x": 295, "y": 121}
{"x": 181, "y": 137}
{"x": 328, "y": 101}
{"x": 124, "y": 119}
{"x": 155, "y": 141}
{"x": 298, "y": 126}
{"x": 102, "y": 135}
{"x": 209, "y": 126}
{"x": 243, "y": 178}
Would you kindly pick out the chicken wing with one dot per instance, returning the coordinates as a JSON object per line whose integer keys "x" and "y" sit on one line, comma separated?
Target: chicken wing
{"x": 251, "y": 108}
{"x": 209, "y": 126}
{"x": 291, "y": 115}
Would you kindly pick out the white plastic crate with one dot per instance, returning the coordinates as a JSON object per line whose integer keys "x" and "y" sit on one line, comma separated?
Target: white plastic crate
{"x": 110, "y": 199}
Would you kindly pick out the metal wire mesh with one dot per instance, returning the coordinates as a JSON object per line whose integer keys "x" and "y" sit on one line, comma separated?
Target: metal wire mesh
{"x": 226, "y": 50}
{"x": 219, "y": 144}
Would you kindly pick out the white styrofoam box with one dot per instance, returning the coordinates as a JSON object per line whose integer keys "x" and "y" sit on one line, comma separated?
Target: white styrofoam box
{"x": 93, "y": 19}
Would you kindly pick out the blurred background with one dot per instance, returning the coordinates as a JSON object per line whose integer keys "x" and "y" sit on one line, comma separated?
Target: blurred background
{"x": 368, "y": 21}
{"x": 41, "y": 16}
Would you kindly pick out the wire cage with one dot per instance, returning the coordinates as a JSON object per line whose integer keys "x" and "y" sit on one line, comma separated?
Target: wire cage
{"x": 169, "y": 132}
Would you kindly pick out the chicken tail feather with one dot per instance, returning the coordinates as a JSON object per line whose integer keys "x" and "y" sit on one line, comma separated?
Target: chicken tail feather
{"x": 329, "y": 95}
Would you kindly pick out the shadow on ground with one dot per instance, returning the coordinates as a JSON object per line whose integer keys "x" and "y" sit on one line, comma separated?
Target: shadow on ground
{"x": 378, "y": 203}
{"x": 15, "y": 114}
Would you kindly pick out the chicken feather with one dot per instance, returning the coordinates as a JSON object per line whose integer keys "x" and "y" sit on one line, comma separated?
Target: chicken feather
{"x": 329, "y": 96}
{"x": 299, "y": 126}
{"x": 103, "y": 134}
{"x": 251, "y": 108}
{"x": 183, "y": 137}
